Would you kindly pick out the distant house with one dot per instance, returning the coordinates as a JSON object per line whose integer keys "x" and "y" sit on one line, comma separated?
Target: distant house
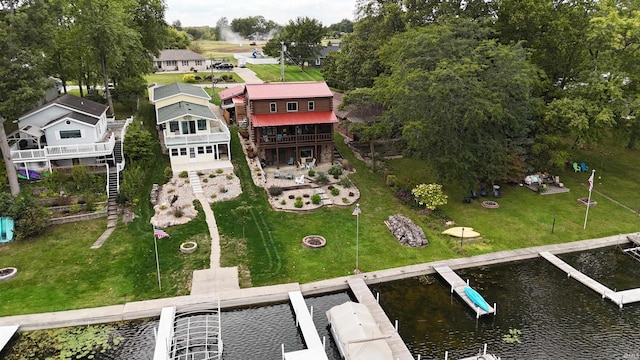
{"x": 65, "y": 132}
{"x": 323, "y": 54}
{"x": 290, "y": 122}
{"x": 232, "y": 102}
{"x": 192, "y": 135}
{"x": 180, "y": 60}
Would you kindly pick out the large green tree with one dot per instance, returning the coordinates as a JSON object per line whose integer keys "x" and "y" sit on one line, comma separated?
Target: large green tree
{"x": 465, "y": 101}
{"x": 302, "y": 40}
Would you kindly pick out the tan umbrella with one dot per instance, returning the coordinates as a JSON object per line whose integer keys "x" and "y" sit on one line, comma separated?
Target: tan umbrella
{"x": 466, "y": 232}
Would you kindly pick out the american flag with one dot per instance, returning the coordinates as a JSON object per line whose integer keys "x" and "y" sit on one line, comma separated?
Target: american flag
{"x": 356, "y": 211}
{"x": 159, "y": 233}
{"x": 591, "y": 181}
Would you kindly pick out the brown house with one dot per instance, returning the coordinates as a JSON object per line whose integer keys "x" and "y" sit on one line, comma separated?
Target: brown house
{"x": 291, "y": 123}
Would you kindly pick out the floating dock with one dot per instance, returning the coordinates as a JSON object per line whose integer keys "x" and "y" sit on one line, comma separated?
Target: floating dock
{"x": 315, "y": 347}
{"x": 458, "y": 285}
{"x": 364, "y": 296}
{"x": 619, "y": 297}
{"x": 6, "y": 333}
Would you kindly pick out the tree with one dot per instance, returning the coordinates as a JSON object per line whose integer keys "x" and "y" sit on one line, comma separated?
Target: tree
{"x": 242, "y": 213}
{"x": 465, "y": 101}
{"x": 221, "y": 24}
{"x": 138, "y": 144}
{"x": 302, "y": 38}
{"x": 364, "y": 104}
{"x": 21, "y": 66}
{"x": 30, "y": 219}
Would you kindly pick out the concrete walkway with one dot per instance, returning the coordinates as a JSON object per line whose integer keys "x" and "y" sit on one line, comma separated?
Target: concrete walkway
{"x": 280, "y": 293}
{"x": 248, "y": 75}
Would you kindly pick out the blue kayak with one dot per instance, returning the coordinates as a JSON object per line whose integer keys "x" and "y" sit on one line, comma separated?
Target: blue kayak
{"x": 476, "y": 298}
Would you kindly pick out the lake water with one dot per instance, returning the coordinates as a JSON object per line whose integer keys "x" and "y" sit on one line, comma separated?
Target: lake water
{"x": 557, "y": 317}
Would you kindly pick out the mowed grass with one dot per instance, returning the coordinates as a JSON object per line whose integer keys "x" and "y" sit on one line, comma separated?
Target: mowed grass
{"x": 224, "y": 50}
{"x": 170, "y": 78}
{"x": 272, "y": 72}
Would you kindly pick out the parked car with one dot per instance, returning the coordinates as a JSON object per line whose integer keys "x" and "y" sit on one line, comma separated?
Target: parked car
{"x": 224, "y": 66}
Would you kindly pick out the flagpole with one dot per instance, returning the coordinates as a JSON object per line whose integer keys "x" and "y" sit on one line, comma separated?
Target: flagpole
{"x": 357, "y": 230}
{"x": 586, "y": 215}
{"x": 155, "y": 243}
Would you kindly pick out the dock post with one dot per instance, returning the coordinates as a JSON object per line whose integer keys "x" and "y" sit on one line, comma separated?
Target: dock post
{"x": 378, "y": 297}
{"x": 446, "y": 355}
{"x": 324, "y": 342}
{"x": 484, "y": 352}
{"x": 311, "y": 311}
{"x": 495, "y": 309}
{"x": 620, "y": 304}
{"x": 396, "y": 324}
{"x": 467, "y": 282}
{"x": 452, "y": 289}
{"x": 282, "y": 351}
{"x": 568, "y": 275}
{"x": 477, "y": 312}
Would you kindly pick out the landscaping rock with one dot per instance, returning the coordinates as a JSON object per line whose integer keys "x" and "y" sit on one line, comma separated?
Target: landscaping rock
{"x": 406, "y": 232}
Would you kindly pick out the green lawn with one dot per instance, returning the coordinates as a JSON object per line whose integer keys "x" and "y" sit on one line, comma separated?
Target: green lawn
{"x": 170, "y": 78}
{"x": 271, "y": 73}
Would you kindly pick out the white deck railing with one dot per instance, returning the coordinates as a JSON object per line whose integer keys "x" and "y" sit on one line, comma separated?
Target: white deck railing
{"x": 65, "y": 151}
{"x": 220, "y": 135}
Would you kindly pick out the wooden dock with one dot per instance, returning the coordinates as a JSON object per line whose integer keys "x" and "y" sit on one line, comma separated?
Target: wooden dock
{"x": 364, "y": 296}
{"x": 165, "y": 333}
{"x": 315, "y": 347}
{"x": 458, "y": 285}
{"x": 619, "y": 297}
{"x": 6, "y": 333}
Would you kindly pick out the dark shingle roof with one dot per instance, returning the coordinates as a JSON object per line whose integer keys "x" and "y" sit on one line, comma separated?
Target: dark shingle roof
{"x": 163, "y": 92}
{"x": 184, "y": 108}
{"x": 75, "y": 103}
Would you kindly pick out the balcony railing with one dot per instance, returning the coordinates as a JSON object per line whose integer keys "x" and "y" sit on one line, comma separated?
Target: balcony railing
{"x": 267, "y": 140}
{"x": 217, "y": 135}
{"x": 65, "y": 151}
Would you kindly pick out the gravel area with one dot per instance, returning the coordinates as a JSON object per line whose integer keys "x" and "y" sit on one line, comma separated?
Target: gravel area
{"x": 177, "y": 196}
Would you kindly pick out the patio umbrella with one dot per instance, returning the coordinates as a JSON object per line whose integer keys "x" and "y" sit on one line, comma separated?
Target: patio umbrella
{"x": 466, "y": 232}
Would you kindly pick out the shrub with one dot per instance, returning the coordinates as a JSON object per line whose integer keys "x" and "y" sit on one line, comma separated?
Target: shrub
{"x": 205, "y": 180}
{"x": 189, "y": 78}
{"x": 312, "y": 173}
{"x": 316, "y": 199}
{"x": 345, "y": 182}
{"x": 335, "y": 171}
{"x": 275, "y": 191}
{"x": 177, "y": 212}
{"x": 283, "y": 202}
{"x": 200, "y": 173}
{"x": 90, "y": 202}
{"x": 75, "y": 208}
{"x": 171, "y": 191}
{"x": 229, "y": 176}
{"x": 211, "y": 176}
{"x": 291, "y": 197}
{"x": 219, "y": 171}
{"x": 391, "y": 180}
{"x": 213, "y": 196}
{"x": 63, "y": 200}
{"x": 168, "y": 172}
{"x": 163, "y": 207}
{"x": 183, "y": 174}
{"x": 335, "y": 191}
{"x": 322, "y": 179}
{"x": 345, "y": 164}
{"x": 298, "y": 203}
{"x": 345, "y": 200}
{"x": 429, "y": 195}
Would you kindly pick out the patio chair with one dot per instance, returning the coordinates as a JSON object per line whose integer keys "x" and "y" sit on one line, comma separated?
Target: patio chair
{"x": 576, "y": 167}
{"x": 279, "y": 137}
{"x": 289, "y": 176}
{"x": 584, "y": 167}
{"x": 474, "y": 195}
{"x": 276, "y": 174}
{"x": 300, "y": 180}
{"x": 301, "y": 166}
{"x": 311, "y": 164}
{"x": 290, "y": 162}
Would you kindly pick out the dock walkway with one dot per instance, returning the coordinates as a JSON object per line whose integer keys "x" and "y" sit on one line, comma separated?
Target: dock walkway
{"x": 364, "y": 296}
{"x": 458, "y": 285}
{"x": 6, "y": 333}
{"x": 315, "y": 347}
{"x": 619, "y": 297}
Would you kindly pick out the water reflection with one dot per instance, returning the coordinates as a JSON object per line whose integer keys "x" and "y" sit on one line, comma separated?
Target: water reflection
{"x": 558, "y": 317}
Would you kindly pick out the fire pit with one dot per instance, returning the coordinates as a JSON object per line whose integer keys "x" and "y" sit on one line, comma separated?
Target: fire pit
{"x": 8, "y": 273}
{"x": 490, "y": 204}
{"x": 314, "y": 242}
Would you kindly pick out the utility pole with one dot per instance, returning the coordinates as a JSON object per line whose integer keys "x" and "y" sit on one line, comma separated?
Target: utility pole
{"x": 282, "y": 61}
{"x": 213, "y": 82}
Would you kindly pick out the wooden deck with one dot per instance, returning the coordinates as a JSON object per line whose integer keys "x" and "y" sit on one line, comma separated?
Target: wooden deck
{"x": 315, "y": 348}
{"x": 619, "y": 297}
{"x": 458, "y": 285}
{"x": 6, "y": 333}
{"x": 364, "y": 296}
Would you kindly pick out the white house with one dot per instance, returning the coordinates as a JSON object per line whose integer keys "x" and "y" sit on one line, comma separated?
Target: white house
{"x": 193, "y": 136}
{"x": 180, "y": 60}
{"x": 67, "y": 131}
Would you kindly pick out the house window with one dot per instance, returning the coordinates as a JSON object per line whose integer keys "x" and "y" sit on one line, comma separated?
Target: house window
{"x": 172, "y": 63}
{"x": 70, "y": 134}
{"x": 311, "y": 106}
{"x": 209, "y": 149}
{"x": 198, "y": 62}
{"x": 173, "y": 126}
{"x": 202, "y": 124}
{"x": 200, "y": 149}
{"x": 318, "y": 62}
{"x": 183, "y": 151}
{"x": 185, "y": 62}
{"x": 273, "y": 107}
{"x": 306, "y": 153}
{"x": 174, "y": 152}
{"x": 292, "y": 106}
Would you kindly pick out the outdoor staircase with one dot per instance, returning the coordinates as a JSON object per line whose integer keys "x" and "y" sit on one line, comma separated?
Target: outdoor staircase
{"x": 323, "y": 196}
{"x": 337, "y": 157}
{"x": 194, "y": 180}
{"x": 117, "y": 152}
{"x": 112, "y": 206}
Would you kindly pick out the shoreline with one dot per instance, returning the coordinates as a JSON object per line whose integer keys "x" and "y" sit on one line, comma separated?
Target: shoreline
{"x": 279, "y": 293}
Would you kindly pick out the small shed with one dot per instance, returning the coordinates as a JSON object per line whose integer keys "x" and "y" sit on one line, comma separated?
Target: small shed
{"x": 357, "y": 334}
